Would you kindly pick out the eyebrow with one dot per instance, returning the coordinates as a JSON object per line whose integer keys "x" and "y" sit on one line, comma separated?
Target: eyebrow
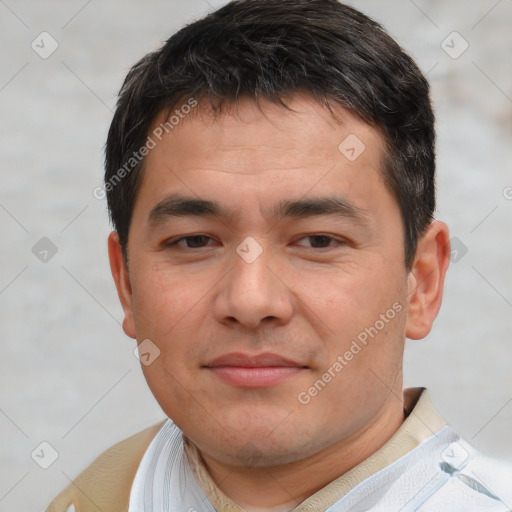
{"x": 177, "y": 205}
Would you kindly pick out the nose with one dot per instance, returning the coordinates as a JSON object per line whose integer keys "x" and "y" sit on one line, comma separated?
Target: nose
{"x": 253, "y": 293}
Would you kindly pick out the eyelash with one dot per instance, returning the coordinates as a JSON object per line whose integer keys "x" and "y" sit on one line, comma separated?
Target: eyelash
{"x": 174, "y": 243}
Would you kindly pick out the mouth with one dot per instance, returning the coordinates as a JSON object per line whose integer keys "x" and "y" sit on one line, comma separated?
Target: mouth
{"x": 256, "y": 371}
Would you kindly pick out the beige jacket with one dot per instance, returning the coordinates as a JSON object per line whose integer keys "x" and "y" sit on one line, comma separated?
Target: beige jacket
{"x": 105, "y": 485}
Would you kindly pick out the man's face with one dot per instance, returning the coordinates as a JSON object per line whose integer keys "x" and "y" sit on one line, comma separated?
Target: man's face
{"x": 302, "y": 290}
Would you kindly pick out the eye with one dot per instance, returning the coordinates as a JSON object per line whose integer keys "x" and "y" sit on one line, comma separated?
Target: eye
{"x": 319, "y": 241}
{"x": 192, "y": 242}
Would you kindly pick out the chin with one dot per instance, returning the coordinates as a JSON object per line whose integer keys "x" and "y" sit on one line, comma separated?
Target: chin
{"x": 256, "y": 449}
{"x": 252, "y": 456}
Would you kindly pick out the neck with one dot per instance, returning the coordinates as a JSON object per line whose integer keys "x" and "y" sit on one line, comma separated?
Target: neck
{"x": 281, "y": 488}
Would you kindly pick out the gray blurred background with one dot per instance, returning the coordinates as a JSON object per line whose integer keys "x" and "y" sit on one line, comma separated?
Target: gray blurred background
{"x": 68, "y": 376}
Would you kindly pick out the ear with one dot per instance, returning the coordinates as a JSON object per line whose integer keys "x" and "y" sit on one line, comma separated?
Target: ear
{"x": 426, "y": 280}
{"x": 122, "y": 280}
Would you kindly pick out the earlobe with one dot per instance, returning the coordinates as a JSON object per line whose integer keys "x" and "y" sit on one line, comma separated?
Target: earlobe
{"x": 122, "y": 282}
{"x": 426, "y": 280}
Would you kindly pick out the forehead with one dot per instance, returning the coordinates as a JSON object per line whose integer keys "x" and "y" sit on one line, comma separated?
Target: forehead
{"x": 262, "y": 153}
{"x": 306, "y": 132}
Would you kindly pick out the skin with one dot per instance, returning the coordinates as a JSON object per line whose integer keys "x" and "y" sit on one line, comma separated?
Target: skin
{"x": 304, "y": 298}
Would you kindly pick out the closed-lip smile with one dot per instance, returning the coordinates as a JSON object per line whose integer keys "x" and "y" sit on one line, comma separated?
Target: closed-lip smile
{"x": 253, "y": 371}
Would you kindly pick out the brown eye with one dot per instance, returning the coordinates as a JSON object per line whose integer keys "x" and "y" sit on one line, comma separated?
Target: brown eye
{"x": 197, "y": 241}
{"x": 192, "y": 242}
{"x": 320, "y": 241}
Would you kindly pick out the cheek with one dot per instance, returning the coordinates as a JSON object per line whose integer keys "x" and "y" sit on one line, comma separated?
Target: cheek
{"x": 169, "y": 309}
{"x": 366, "y": 308}
{"x": 161, "y": 299}
{"x": 346, "y": 299}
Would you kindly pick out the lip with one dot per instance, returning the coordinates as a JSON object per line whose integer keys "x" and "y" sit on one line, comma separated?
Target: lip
{"x": 253, "y": 371}
{"x": 240, "y": 359}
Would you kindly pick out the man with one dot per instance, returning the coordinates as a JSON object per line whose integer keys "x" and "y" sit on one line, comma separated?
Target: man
{"x": 270, "y": 175}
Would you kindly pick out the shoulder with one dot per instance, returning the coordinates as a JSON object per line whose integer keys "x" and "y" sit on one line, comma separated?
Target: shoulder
{"x": 106, "y": 483}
